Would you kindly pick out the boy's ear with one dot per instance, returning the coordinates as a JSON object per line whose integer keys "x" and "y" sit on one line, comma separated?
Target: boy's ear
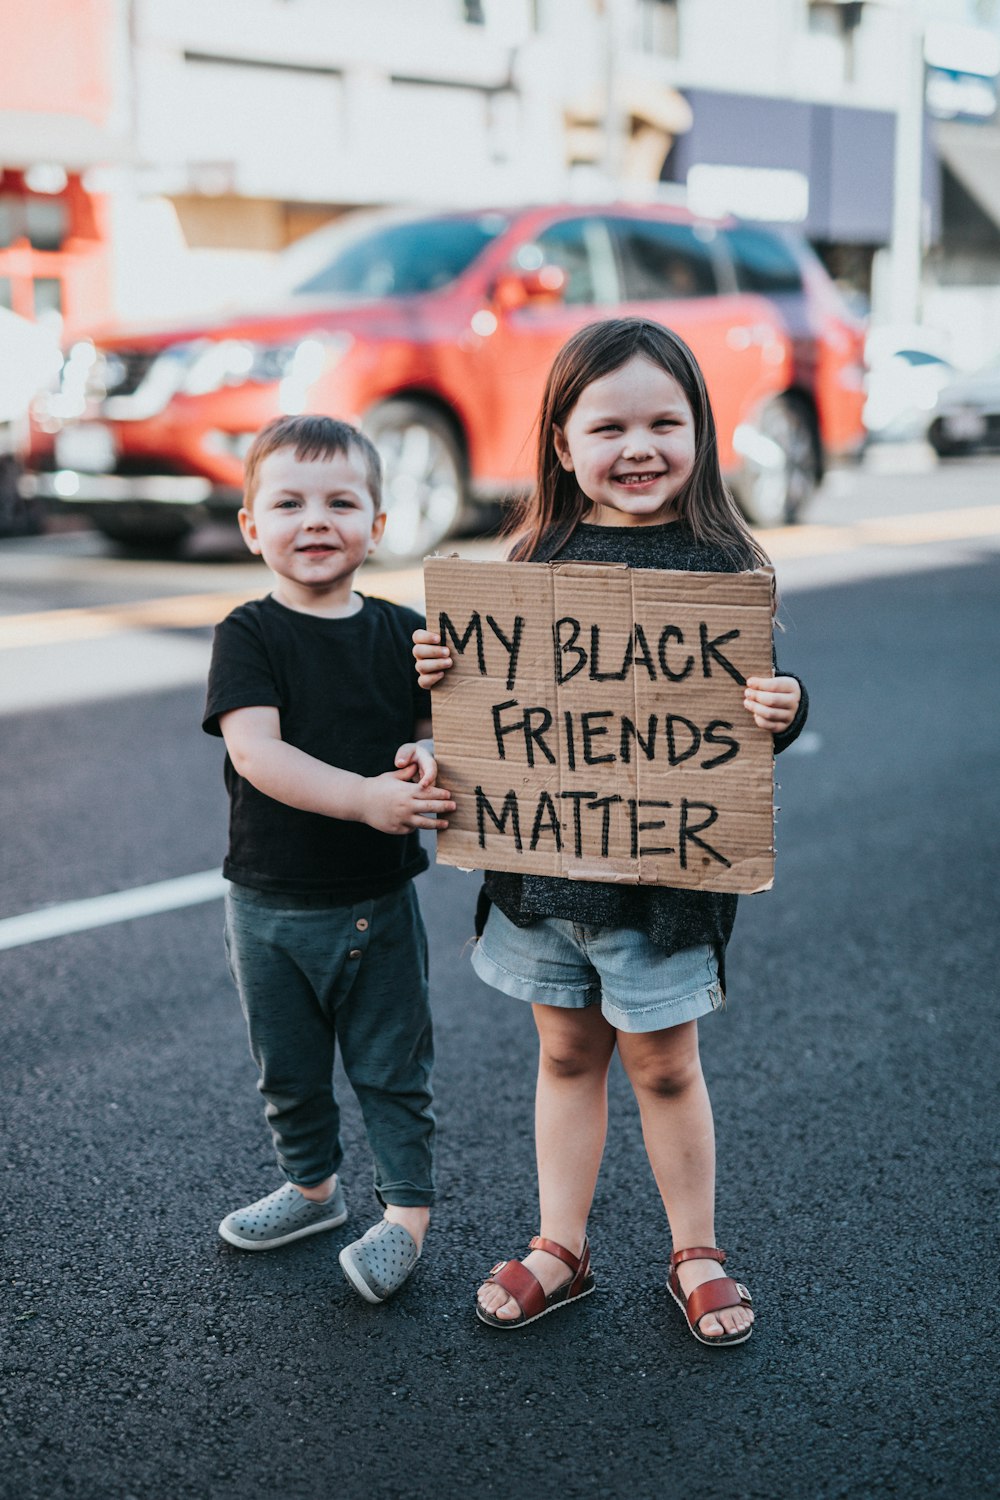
{"x": 378, "y": 526}
{"x": 249, "y": 529}
{"x": 562, "y": 447}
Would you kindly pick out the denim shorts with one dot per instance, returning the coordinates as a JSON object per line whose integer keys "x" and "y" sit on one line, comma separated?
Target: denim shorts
{"x": 638, "y": 986}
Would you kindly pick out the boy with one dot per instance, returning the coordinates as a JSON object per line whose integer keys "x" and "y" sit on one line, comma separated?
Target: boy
{"x": 329, "y": 776}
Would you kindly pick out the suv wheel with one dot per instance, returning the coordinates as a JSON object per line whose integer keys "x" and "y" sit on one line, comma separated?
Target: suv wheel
{"x": 423, "y": 476}
{"x": 775, "y": 494}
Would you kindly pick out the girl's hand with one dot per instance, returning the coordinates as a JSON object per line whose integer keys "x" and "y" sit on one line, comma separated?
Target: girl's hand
{"x": 432, "y": 659}
{"x": 419, "y": 754}
{"x": 773, "y": 701}
{"x": 395, "y": 803}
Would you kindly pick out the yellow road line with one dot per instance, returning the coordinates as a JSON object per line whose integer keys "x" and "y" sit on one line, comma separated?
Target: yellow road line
{"x": 405, "y": 586}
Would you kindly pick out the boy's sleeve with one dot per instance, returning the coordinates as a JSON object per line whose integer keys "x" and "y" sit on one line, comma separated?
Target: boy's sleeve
{"x": 421, "y": 696}
{"x": 241, "y": 675}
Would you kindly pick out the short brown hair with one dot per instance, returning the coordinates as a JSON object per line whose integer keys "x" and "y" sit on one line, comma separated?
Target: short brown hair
{"x": 312, "y": 437}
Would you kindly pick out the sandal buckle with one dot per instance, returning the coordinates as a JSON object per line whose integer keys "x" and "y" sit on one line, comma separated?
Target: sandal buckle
{"x": 498, "y": 1267}
{"x": 743, "y": 1291}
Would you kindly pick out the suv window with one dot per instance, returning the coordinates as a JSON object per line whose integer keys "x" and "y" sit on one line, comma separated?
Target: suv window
{"x": 401, "y": 260}
{"x": 763, "y": 262}
{"x": 661, "y": 260}
{"x": 581, "y": 248}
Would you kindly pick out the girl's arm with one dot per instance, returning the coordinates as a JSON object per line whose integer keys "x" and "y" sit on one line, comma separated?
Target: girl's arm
{"x": 779, "y": 704}
{"x": 393, "y": 802}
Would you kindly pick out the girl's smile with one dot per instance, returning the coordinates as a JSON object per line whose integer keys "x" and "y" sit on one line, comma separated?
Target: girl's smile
{"x": 630, "y": 441}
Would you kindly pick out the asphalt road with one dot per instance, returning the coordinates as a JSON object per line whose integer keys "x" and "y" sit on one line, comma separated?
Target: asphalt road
{"x": 852, "y": 1076}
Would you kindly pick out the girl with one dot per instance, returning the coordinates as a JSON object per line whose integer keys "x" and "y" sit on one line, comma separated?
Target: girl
{"x": 628, "y": 471}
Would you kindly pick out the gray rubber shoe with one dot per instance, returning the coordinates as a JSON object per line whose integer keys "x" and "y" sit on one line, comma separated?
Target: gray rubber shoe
{"x": 380, "y": 1262}
{"x": 281, "y": 1217}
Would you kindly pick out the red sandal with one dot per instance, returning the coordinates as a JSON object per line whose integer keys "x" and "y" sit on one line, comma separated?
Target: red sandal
{"x": 708, "y": 1296}
{"x": 527, "y": 1291}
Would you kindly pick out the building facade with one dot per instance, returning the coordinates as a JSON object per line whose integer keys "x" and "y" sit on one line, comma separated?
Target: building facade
{"x": 198, "y": 137}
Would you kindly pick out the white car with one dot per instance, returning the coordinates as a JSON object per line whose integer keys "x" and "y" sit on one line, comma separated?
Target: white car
{"x": 906, "y": 371}
{"x": 967, "y": 414}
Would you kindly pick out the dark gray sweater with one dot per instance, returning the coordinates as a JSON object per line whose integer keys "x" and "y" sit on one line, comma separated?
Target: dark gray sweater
{"x": 673, "y": 919}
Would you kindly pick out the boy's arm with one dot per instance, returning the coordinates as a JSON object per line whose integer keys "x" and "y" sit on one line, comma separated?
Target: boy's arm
{"x": 393, "y": 802}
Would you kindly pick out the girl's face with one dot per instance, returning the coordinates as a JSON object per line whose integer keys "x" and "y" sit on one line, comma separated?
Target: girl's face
{"x": 630, "y": 441}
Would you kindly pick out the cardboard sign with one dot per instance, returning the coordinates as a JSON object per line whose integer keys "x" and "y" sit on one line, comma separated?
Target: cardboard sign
{"x": 593, "y": 724}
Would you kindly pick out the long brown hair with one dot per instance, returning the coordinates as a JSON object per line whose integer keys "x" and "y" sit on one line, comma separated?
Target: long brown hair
{"x": 542, "y": 522}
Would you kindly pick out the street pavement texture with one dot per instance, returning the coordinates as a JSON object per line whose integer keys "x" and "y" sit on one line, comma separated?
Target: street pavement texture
{"x": 852, "y": 1078}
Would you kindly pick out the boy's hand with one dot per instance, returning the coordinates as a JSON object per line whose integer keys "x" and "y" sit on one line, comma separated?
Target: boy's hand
{"x": 419, "y": 753}
{"x": 395, "y": 803}
{"x": 773, "y": 701}
{"x": 432, "y": 659}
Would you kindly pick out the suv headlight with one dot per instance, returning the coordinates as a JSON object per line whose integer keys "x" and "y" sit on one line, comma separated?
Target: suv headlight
{"x": 232, "y": 362}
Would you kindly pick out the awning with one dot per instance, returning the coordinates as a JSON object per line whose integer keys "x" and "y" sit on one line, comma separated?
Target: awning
{"x": 972, "y": 153}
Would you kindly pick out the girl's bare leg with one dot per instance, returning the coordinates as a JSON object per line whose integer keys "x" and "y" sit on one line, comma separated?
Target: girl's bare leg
{"x": 571, "y": 1118}
{"x": 665, "y": 1071}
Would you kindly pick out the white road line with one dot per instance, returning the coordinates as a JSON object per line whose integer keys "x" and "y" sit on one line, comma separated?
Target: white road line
{"x": 119, "y": 906}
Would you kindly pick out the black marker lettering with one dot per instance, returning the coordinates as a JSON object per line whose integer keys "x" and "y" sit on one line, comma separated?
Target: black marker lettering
{"x": 577, "y": 798}
{"x": 672, "y": 633}
{"x": 570, "y": 740}
{"x": 596, "y": 675}
{"x": 637, "y": 827}
{"x": 642, "y": 658}
{"x": 689, "y": 832}
{"x": 631, "y": 732}
{"x": 711, "y": 648}
{"x": 606, "y": 803}
{"x": 500, "y": 730}
{"x": 561, "y": 647}
{"x": 546, "y": 808}
{"x": 591, "y": 731}
{"x": 674, "y": 755}
{"x": 509, "y": 810}
{"x": 712, "y": 738}
{"x": 475, "y": 626}
{"x": 512, "y": 647}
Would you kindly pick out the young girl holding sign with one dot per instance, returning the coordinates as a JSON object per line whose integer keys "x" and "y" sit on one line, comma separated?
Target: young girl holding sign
{"x": 628, "y": 472}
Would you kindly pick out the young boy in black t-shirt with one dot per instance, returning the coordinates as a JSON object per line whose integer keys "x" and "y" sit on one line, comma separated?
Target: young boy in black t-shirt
{"x": 330, "y": 775}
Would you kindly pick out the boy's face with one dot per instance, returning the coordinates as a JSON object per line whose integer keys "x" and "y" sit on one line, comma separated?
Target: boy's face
{"x": 313, "y": 522}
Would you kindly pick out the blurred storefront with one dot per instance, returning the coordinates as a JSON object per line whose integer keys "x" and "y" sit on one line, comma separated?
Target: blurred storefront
{"x": 64, "y": 111}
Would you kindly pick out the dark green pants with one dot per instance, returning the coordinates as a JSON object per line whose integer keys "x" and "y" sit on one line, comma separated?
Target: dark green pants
{"x": 313, "y": 977}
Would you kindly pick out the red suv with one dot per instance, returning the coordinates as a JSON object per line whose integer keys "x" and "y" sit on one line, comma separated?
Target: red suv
{"x": 435, "y": 333}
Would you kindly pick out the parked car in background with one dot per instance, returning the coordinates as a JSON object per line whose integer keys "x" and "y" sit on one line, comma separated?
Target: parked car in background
{"x": 29, "y": 360}
{"x": 966, "y": 415}
{"x": 435, "y": 332}
{"x": 907, "y": 368}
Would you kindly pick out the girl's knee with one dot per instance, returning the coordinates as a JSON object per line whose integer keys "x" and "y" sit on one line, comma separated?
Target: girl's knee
{"x": 664, "y": 1072}
{"x": 564, "y": 1058}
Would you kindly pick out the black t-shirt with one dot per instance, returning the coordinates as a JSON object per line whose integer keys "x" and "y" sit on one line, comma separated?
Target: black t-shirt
{"x": 346, "y": 691}
{"x": 672, "y": 918}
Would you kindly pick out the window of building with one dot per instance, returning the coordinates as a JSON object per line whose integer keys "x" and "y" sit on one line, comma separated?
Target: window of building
{"x": 48, "y": 296}
{"x": 762, "y": 262}
{"x": 472, "y": 11}
{"x": 657, "y": 28}
{"x": 43, "y": 222}
{"x": 663, "y": 260}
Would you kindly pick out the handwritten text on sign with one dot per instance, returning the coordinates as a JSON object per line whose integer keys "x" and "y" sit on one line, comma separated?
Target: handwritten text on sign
{"x": 593, "y": 723}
